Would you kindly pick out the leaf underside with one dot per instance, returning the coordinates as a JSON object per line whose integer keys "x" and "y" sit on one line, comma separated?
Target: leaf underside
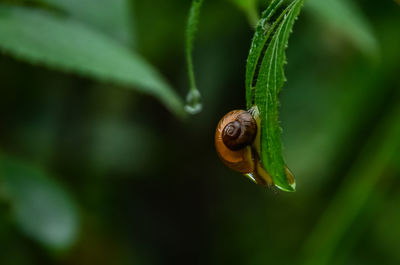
{"x": 66, "y": 44}
{"x": 270, "y": 80}
{"x": 111, "y": 17}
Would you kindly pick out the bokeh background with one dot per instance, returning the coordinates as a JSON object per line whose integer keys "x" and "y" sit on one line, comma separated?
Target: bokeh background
{"x": 93, "y": 172}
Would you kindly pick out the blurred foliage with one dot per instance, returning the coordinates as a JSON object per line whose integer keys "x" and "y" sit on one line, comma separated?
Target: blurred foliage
{"x": 93, "y": 173}
{"x": 71, "y": 46}
{"x": 351, "y": 22}
{"x": 40, "y": 206}
{"x": 111, "y": 17}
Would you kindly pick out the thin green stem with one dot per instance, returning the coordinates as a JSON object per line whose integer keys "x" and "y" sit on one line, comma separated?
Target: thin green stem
{"x": 193, "y": 99}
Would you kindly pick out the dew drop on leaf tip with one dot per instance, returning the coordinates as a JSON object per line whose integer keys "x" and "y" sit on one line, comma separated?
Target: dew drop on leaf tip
{"x": 193, "y": 102}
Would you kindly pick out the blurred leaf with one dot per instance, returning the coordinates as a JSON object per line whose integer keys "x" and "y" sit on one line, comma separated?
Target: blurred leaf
{"x": 270, "y": 81}
{"x": 346, "y": 17}
{"x": 63, "y": 43}
{"x": 316, "y": 130}
{"x": 42, "y": 208}
{"x": 193, "y": 98}
{"x": 249, "y": 7}
{"x": 112, "y": 17}
{"x": 386, "y": 230}
{"x": 351, "y": 198}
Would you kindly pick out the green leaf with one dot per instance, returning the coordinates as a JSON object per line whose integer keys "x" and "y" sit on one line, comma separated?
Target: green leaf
{"x": 66, "y": 44}
{"x": 42, "y": 208}
{"x": 193, "y": 98}
{"x": 269, "y": 82}
{"x": 112, "y": 17}
{"x": 257, "y": 45}
{"x": 346, "y": 17}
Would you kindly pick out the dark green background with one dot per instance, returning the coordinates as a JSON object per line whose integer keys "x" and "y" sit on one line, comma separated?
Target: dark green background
{"x": 148, "y": 188}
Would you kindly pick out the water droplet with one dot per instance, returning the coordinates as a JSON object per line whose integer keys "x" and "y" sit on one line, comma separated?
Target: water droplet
{"x": 193, "y": 102}
{"x": 251, "y": 177}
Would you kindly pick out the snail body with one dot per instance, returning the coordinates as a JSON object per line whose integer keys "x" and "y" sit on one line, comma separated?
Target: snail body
{"x": 237, "y": 140}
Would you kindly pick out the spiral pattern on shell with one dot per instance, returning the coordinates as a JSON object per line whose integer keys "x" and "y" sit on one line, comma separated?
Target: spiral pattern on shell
{"x": 234, "y": 136}
{"x": 240, "y": 132}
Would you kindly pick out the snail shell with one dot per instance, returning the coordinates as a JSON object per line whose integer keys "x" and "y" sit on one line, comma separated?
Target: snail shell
{"x": 237, "y": 140}
{"x": 234, "y": 135}
{"x": 241, "y": 131}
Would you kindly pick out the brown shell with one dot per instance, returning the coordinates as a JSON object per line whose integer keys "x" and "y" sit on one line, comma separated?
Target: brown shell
{"x": 240, "y": 132}
{"x": 239, "y": 160}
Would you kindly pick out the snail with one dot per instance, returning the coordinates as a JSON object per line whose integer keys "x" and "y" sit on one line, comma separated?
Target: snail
{"x": 237, "y": 142}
